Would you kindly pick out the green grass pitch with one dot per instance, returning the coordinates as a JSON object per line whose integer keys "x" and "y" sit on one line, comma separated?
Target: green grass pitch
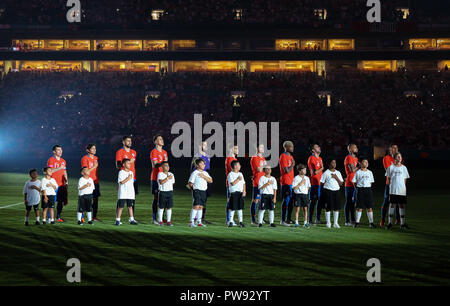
{"x": 152, "y": 255}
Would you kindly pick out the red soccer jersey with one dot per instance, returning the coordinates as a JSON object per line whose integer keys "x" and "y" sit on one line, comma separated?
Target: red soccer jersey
{"x": 286, "y": 161}
{"x": 387, "y": 162}
{"x": 228, "y": 161}
{"x": 88, "y": 162}
{"x": 315, "y": 163}
{"x": 121, "y": 154}
{"x": 157, "y": 157}
{"x": 57, "y": 175}
{"x": 255, "y": 162}
{"x": 350, "y": 160}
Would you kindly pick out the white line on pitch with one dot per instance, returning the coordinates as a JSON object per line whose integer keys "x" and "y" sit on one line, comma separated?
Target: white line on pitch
{"x": 11, "y": 205}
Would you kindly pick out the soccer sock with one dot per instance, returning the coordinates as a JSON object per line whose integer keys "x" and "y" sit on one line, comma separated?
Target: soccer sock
{"x": 271, "y": 216}
{"x": 160, "y": 214}
{"x": 397, "y": 213}
{"x": 79, "y": 216}
{"x": 155, "y": 208}
{"x": 370, "y": 216}
{"x": 336, "y": 216}
{"x": 240, "y": 216}
{"x": 358, "y": 216}
{"x": 169, "y": 214}
{"x": 261, "y": 216}
{"x": 328, "y": 216}
{"x": 402, "y": 216}
{"x": 193, "y": 214}
{"x": 89, "y": 215}
{"x": 131, "y": 219}
{"x": 199, "y": 215}
{"x": 118, "y": 219}
{"x": 37, "y": 218}
{"x": 232, "y": 216}
{"x": 253, "y": 211}
{"x": 391, "y": 213}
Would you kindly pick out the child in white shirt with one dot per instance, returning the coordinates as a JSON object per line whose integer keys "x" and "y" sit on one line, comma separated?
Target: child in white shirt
{"x": 31, "y": 193}
{"x": 237, "y": 192}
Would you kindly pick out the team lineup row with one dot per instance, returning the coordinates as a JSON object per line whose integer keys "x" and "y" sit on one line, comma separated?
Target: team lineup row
{"x": 310, "y": 194}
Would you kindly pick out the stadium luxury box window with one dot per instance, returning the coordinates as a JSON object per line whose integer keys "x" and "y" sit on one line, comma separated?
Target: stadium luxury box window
{"x": 78, "y": 45}
{"x": 377, "y": 65}
{"x": 421, "y": 43}
{"x": 287, "y": 44}
{"x": 156, "y": 45}
{"x": 50, "y": 65}
{"x": 111, "y": 66}
{"x": 229, "y": 66}
{"x": 130, "y": 45}
{"x": 52, "y": 44}
{"x": 183, "y": 44}
{"x": 260, "y": 66}
{"x": 313, "y": 44}
{"x": 341, "y": 44}
{"x": 26, "y": 44}
{"x": 189, "y": 66}
{"x": 297, "y": 66}
{"x": 144, "y": 66}
{"x": 106, "y": 45}
{"x": 443, "y": 43}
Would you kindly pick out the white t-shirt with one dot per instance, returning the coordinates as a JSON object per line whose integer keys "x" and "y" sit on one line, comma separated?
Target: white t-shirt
{"x": 33, "y": 196}
{"x": 88, "y": 190}
{"x": 303, "y": 189}
{"x": 397, "y": 176}
{"x": 126, "y": 191}
{"x": 329, "y": 182}
{"x": 268, "y": 189}
{"x": 168, "y": 185}
{"x": 239, "y": 186}
{"x": 49, "y": 190}
{"x": 199, "y": 182}
{"x": 363, "y": 178}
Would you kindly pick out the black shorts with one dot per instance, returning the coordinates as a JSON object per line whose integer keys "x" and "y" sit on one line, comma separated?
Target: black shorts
{"x": 301, "y": 200}
{"x": 121, "y": 203}
{"x": 85, "y": 203}
{"x": 35, "y": 207}
{"x": 331, "y": 199}
{"x": 136, "y": 188}
{"x": 266, "y": 202}
{"x": 96, "y": 193}
{"x": 61, "y": 194}
{"x": 165, "y": 199}
{"x": 364, "y": 198}
{"x": 155, "y": 187}
{"x": 236, "y": 201}
{"x": 199, "y": 197}
{"x": 397, "y": 199}
{"x": 50, "y": 203}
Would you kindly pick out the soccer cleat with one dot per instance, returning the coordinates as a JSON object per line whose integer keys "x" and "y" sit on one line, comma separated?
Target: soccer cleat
{"x": 95, "y": 219}
{"x": 389, "y": 226}
{"x": 53, "y": 222}
{"x": 272, "y": 225}
{"x": 161, "y": 223}
{"x": 382, "y": 223}
{"x": 44, "y": 222}
{"x": 241, "y": 224}
{"x": 404, "y": 226}
{"x": 356, "y": 225}
{"x": 155, "y": 222}
{"x": 348, "y": 224}
{"x": 169, "y": 223}
{"x": 306, "y": 225}
{"x": 90, "y": 222}
{"x": 164, "y": 221}
{"x": 201, "y": 225}
{"x": 133, "y": 222}
{"x": 191, "y": 224}
{"x": 60, "y": 220}
{"x": 230, "y": 224}
{"x": 26, "y": 223}
{"x": 254, "y": 223}
{"x": 117, "y": 223}
{"x": 80, "y": 223}
{"x": 37, "y": 223}
{"x": 260, "y": 225}
{"x": 371, "y": 225}
{"x": 296, "y": 225}
{"x": 336, "y": 225}
{"x": 329, "y": 225}
{"x": 284, "y": 223}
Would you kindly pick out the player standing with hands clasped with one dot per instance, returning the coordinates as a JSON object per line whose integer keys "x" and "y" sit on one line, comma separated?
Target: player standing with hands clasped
{"x": 237, "y": 192}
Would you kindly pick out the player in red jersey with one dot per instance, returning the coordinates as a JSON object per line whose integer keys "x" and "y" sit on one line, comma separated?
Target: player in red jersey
{"x": 232, "y": 154}
{"x": 90, "y": 161}
{"x": 287, "y": 164}
{"x": 257, "y": 162}
{"x": 157, "y": 156}
{"x": 351, "y": 166}
{"x": 59, "y": 173}
{"x": 388, "y": 160}
{"x": 315, "y": 166}
{"x": 127, "y": 153}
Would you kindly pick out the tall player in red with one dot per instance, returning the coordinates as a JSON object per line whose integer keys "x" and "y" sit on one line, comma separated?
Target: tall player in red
{"x": 90, "y": 161}
{"x": 287, "y": 164}
{"x": 232, "y": 154}
{"x": 315, "y": 166}
{"x": 127, "y": 153}
{"x": 157, "y": 156}
{"x": 59, "y": 173}
{"x": 351, "y": 166}
{"x": 257, "y": 162}
{"x": 388, "y": 160}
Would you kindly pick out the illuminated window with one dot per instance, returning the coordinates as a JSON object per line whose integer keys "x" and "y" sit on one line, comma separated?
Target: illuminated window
{"x": 238, "y": 14}
{"x": 420, "y": 43}
{"x": 78, "y": 45}
{"x": 377, "y": 65}
{"x": 52, "y": 44}
{"x": 156, "y": 45}
{"x": 320, "y": 13}
{"x": 50, "y": 65}
{"x": 189, "y": 66}
{"x": 145, "y": 66}
{"x": 183, "y": 44}
{"x": 111, "y": 66}
{"x": 256, "y": 66}
{"x": 229, "y": 66}
{"x": 106, "y": 45}
{"x": 312, "y": 44}
{"x": 27, "y": 44}
{"x": 130, "y": 45}
{"x": 299, "y": 66}
{"x": 156, "y": 14}
{"x": 341, "y": 44}
{"x": 443, "y": 43}
{"x": 404, "y": 12}
{"x": 287, "y": 44}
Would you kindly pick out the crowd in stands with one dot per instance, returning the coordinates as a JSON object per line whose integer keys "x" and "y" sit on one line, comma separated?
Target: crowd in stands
{"x": 129, "y": 13}
{"x": 367, "y": 108}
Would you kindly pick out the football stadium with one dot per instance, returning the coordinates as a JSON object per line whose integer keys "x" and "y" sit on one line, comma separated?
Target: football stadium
{"x": 224, "y": 143}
